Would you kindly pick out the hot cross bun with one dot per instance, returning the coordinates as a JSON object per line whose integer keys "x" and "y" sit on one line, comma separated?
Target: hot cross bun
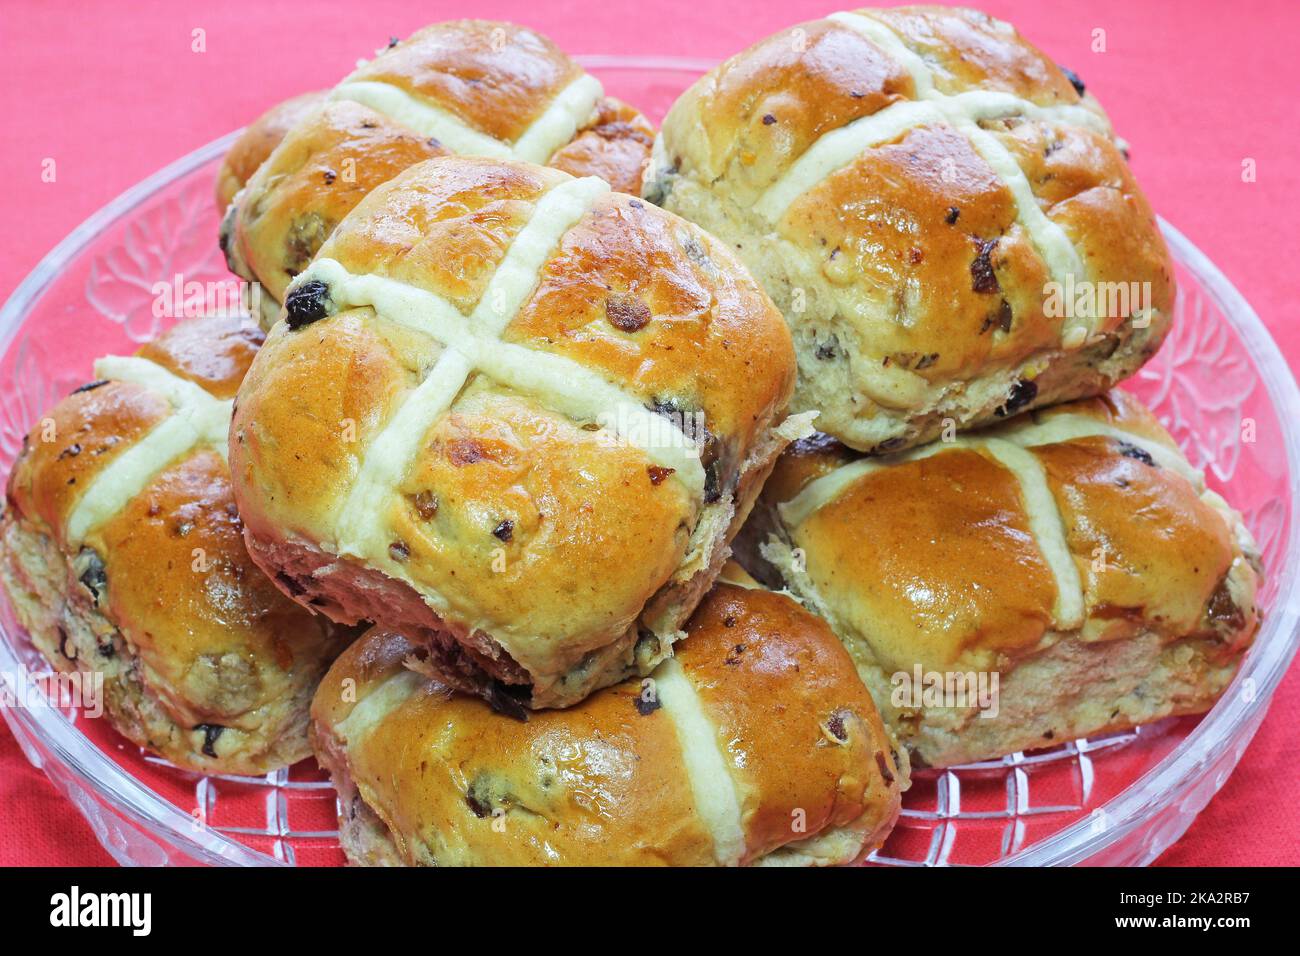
{"x": 1073, "y": 553}
{"x": 517, "y": 416}
{"x": 943, "y": 215}
{"x": 122, "y": 554}
{"x": 756, "y": 744}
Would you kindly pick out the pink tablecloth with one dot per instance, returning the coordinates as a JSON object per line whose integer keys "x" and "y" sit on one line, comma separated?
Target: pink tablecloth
{"x": 112, "y": 92}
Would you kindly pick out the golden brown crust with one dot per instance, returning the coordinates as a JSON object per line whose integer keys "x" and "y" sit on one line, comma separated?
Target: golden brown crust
{"x": 214, "y": 354}
{"x": 949, "y": 324}
{"x": 1116, "y": 408}
{"x": 765, "y": 670}
{"x": 817, "y": 77}
{"x": 615, "y": 146}
{"x": 258, "y": 141}
{"x": 200, "y": 638}
{"x": 950, "y": 567}
{"x": 630, "y": 291}
{"x": 502, "y": 458}
{"x": 632, "y": 294}
{"x": 966, "y": 48}
{"x": 1156, "y": 552}
{"x": 495, "y": 78}
{"x": 443, "y": 227}
{"x": 530, "y": 499}
{"x": 917, "y": 289}
{"x": 805, "y": 460}
{"x": 307, "y": 460}
{"x": 608, "y": 782}
{"x": 933, "y": 560}
{"x": 88, "y": 430}
{"x": 217, "y": 605}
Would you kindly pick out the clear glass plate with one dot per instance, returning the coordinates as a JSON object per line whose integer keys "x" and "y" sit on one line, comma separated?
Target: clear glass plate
{"x": 1121, "y": 799}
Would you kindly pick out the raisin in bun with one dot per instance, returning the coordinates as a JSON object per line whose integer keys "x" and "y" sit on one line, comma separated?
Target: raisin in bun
{"x": 946, "y": 221}
{"x": 471, "y": 87}
{"x": 756, "y": 744}
{"x": 122, "y": 554}
{"x": 517, "y": 416}
{"x": 1074, "y": 553}
{"x": 258, "y": 141}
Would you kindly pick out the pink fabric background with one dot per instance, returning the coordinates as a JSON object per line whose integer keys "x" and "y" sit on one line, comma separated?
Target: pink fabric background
{"x": 112, "y": 92}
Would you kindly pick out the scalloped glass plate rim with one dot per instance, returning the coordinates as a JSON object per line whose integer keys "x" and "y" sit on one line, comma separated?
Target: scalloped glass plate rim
{"x": 1178, "y": 771}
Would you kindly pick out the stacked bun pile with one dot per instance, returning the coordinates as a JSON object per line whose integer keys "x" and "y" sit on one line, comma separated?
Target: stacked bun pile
{"x": 517, "y": 404}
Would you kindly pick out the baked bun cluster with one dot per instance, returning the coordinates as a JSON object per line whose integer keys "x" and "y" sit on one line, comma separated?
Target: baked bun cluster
{"x": 515, "y": 406}
{"x": 1072, "y": 552}
{"x": 468, "y": 87}
{"x": 517, "y": 417}
{"x": 942, "y": 214}
{"x": 755, "y": 744}
{"x": 123, "y": 556}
